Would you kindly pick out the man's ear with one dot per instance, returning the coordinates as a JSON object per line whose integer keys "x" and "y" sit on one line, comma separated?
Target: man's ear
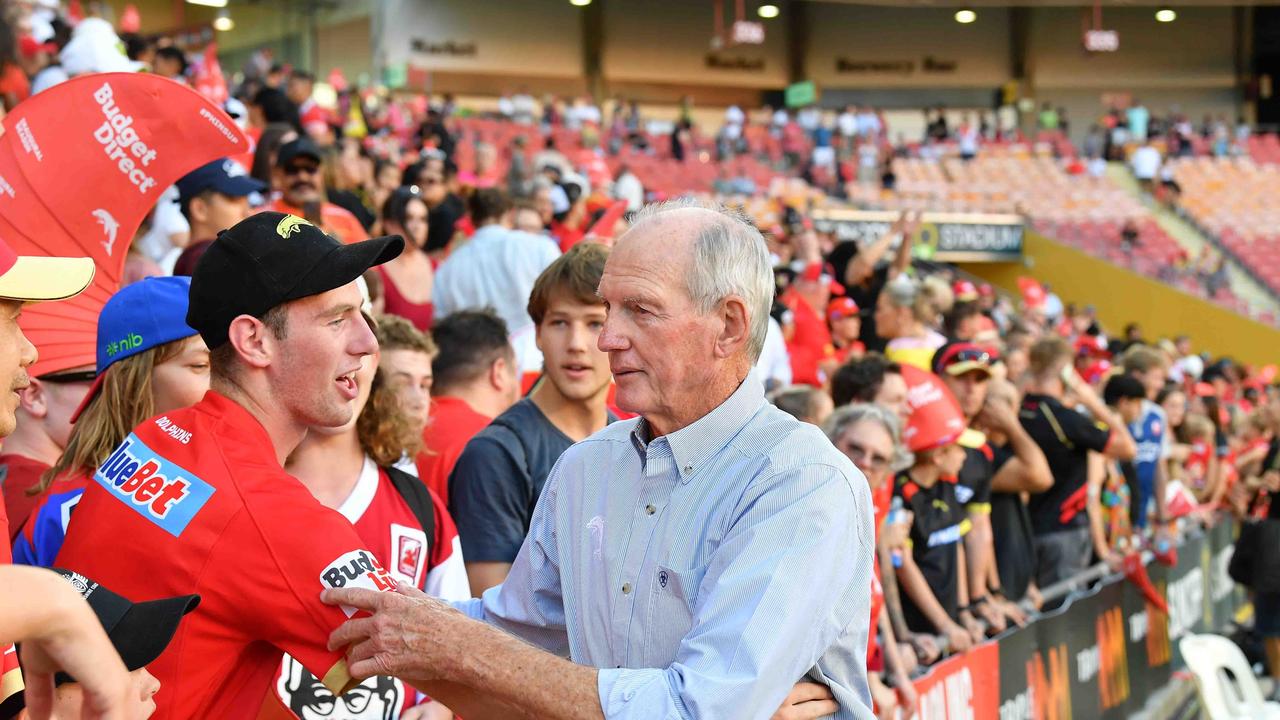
{"x": 253, "y": 342}
{"x": 736, "y": 332}
{"x": 499, "y": 374}
{"x": 34, "y": 400}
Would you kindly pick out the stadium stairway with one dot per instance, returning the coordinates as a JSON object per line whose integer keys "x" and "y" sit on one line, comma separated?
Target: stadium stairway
{"x": 1191, "y": 240}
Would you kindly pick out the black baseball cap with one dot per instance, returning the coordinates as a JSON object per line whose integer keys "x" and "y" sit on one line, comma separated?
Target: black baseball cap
{"x": 269, "y": 259}
{"x": 140, "y": 631}
{"x": 302, "y": 147}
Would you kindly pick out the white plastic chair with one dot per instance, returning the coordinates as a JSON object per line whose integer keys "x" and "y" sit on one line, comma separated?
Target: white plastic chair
{"x": 1225, "y": 697}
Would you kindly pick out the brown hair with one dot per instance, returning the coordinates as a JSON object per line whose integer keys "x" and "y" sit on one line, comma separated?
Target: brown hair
{"x": 576, "y": 273}
{"x": 1143, "y": 359}
{"x": 385, "y": 429}
{"x": 122, "y": 403}
{"x": 223, "y": 359}
{"x": 396, "y": 333}
{"x": 1047, "y": 354}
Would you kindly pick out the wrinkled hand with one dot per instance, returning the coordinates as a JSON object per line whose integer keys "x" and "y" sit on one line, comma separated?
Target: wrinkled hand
{"x": 427, "y": 711}
{"x": 407, "y": 634}
{"x": 807, "y": 701}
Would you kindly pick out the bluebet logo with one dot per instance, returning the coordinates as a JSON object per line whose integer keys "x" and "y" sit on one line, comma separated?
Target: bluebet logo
{"x": 153, "y": 487}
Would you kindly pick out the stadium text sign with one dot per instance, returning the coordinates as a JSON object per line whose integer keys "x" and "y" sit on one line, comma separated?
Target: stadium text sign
{"x": 951, "y": 237}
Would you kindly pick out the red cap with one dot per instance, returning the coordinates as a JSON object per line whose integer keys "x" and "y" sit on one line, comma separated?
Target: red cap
{"x": 1092, "y": 346}
{"x": 1096, "y": 371}
{"x": 841, "y": 308}
{"x": 936, "y": 418}
{"x": 1033, "y": 294}
{"x": 822, "y": 272}
{"x": 1204, "y": 390}
{"x": 30, "y": 47}
{"x": 964, "y": 290}
{"x": 985, "y": 290}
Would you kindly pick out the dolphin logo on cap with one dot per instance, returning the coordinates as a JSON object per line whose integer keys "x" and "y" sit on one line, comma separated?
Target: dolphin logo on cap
{"x": 289, "y": 225}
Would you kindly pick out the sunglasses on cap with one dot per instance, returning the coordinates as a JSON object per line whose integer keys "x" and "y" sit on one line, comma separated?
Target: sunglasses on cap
{"x": 67, "y": 378}
{"x": 975, "y": 355}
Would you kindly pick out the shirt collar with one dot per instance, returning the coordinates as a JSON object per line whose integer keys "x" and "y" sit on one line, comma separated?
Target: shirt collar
{"x": 693, "y": 445}
{"x": 249, "y": 431}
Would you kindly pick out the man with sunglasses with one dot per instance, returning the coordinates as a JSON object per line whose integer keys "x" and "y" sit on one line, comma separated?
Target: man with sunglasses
{"x": 965, "y": 368}
{"x": 44, "y": 424}
{"x": 299, "y": 182}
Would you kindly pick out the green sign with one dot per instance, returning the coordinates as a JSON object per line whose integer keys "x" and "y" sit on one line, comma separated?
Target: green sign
{"x": 395, "y": 76}
{"x": 801, "y": 94}
{"x": 947, "y": 237}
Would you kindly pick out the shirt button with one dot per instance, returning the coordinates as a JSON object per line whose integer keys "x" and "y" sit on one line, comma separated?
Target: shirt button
{"x": 626, "y": 588}
{"x": 649, "y": 509}
{"x": 688, "y": 468}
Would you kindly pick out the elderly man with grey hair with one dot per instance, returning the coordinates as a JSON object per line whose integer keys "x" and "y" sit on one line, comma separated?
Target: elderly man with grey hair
{"x": 692, "y": 563}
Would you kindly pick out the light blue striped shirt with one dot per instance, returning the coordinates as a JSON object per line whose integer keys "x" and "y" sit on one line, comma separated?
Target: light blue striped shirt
{"x": 706, "y": 571}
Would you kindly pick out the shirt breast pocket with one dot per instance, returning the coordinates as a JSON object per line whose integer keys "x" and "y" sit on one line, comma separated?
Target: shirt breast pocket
{"x": 672, "y": 598}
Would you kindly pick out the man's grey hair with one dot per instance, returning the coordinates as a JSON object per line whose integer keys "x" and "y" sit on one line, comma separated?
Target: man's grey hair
{"x": 730, "y": 257}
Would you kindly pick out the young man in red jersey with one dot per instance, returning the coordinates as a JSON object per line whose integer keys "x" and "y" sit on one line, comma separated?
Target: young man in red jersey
{"x": 196, "y": 501}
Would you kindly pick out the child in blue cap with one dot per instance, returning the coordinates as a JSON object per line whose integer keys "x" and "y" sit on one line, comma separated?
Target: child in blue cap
{"x": 149, "y": 362}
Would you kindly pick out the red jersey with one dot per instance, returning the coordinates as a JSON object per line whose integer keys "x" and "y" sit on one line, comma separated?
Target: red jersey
{"x": 10, "y": 674}
{"x": 810, "y": 344}
{"x": 17, "y": 473}
{"x": 452, "y": 424}
{"x": 393, "y": 533}
{"x": 337, "y": 221}
{"x": 195, "y": 502}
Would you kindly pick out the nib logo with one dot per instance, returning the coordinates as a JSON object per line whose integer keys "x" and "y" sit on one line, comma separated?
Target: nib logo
{"x": 110, "y": 227}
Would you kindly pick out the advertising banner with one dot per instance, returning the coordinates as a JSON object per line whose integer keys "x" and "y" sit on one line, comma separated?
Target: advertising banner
{"x": 1099, "y": 655}
{"x": 950, "y": 237}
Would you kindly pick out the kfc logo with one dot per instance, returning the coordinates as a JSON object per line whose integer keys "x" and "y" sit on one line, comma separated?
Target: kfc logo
{"x": 380, "y": 697}
{"x": 360, "y": 569}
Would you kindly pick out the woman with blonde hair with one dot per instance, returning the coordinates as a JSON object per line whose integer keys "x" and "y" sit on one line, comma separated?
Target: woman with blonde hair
{"x": 149, "y": 362}
{"x": 907, "y": 314}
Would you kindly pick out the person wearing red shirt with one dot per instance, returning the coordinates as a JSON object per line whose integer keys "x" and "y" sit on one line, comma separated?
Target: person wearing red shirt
{"x": 474, "y": 381}
{"x": 298, "y": 179}
{"x": 353, "y": 470}
{"x": 196, "y": 501}
{"x": 846, "y": 327}
{"x": 163, "y": 367}
{"x": 23, "y": 280}
{"x": 812, "y": 353}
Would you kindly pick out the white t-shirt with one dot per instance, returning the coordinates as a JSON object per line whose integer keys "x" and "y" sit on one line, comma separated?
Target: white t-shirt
{"x": 1145, "y": 162}
{"x": 847, "y": 123}
{"x": 774, "y": 363}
